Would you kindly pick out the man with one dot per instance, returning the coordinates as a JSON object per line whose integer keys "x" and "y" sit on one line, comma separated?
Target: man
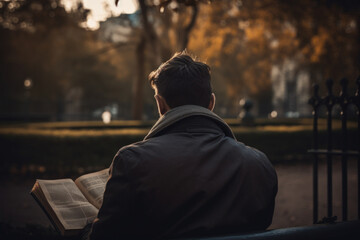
{"x": 189, "y": 176}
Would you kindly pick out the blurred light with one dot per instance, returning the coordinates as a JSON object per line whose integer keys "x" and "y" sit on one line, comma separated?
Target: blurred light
{"x": 243, "y": 24}
{"x": 11, "y": 5}
{"x": 41, "y": 169}
{"x": 69, "y": 5}
{"x": 174, "y": 6}
{"x": 28, "y": 83}
{"x": 128, "y": 6}
{"x": 1, "y": 5}
{"x": 242, "y": 102}
{"x": 233, "y": 11}
{"x": 274, "y": 43}
{"x": 273, "y": 114}
{"x": 101, "y": 10}
{"x": 106, "y": 117}
{"x": 91, "y": 23}
{"x": 351, "y": 27}
{"x": 242, "y": 114}
{"x": 23, "y": 25}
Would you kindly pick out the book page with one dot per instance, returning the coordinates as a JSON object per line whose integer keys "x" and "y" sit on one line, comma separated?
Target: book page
{"x": 69, "y": 204}
{"x": 92, "y": 185}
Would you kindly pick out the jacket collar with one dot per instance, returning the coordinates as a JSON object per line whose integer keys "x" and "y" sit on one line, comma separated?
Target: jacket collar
{"x": 176, "y": 114}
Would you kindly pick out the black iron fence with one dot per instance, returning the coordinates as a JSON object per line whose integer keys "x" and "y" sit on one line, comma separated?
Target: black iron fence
{"x": 342, "y": 101}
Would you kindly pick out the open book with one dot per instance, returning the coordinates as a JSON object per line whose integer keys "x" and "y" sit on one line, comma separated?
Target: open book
{"x": 69, "y": 204}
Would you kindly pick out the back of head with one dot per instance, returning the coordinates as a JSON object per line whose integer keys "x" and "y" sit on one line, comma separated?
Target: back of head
{"x": 182, "y": 80}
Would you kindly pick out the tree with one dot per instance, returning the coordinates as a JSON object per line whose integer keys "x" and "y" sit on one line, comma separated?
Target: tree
{"x": 26, "y": 29}
{"x": 244, "y": 39}
{"x": 48, "y": 45}
{"x": 165, "y": 34}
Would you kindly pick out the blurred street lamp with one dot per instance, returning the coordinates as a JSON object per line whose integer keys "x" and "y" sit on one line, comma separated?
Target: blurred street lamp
{"x": 106, "y": 116}
{"x": 28, "y": 83}
{"x": 273, "y": 114}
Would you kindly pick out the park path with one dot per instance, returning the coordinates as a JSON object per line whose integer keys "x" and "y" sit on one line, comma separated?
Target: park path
{"x": 293, "y": 202}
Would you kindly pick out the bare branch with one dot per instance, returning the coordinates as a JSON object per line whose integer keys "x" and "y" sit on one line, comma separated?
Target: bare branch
{"x": 190, "y": 26}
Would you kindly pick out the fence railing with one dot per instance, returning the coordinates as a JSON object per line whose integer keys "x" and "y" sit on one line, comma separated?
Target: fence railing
{"x": 343, "y": 101}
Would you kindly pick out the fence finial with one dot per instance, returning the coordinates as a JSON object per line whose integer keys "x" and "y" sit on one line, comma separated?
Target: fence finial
{"x": 356, "y": 98}
{"x": 343, "y": 100}
{"x": 344, "y": 83}
{"x": 329, "y": 84}
{"x": 315, "y": 100}
{"x": 316, "y": 90}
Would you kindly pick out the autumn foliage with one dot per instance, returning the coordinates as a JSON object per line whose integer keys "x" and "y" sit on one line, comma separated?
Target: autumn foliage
{"x": 240, "y": 39}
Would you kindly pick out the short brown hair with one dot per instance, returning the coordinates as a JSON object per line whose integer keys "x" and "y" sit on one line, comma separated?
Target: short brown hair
{"x": 182, "y": 80}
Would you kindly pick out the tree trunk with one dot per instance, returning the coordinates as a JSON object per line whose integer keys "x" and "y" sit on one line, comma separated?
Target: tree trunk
{"x": 358, "y": 47}
{"x": 149, "y": 36}
{"x": 138, "y": 84}
{"x": 189, "y": 27}
{"x": 149, "y": 32}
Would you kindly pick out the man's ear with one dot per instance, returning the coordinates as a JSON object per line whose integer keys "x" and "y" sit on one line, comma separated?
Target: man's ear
{"x": 163, "y": 107}
{"x": 212, "y": 102}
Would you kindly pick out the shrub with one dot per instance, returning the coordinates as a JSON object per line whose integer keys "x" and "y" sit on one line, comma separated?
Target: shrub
{"x": 73, "y": 148}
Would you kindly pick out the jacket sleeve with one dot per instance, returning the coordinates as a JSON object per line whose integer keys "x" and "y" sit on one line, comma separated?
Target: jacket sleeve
{"x": 113, "y": 216}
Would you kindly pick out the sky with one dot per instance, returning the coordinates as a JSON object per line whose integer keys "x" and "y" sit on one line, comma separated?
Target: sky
{"x": 102, "y": 9}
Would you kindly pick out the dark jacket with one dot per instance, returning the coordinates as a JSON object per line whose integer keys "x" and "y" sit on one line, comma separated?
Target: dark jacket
{"x": 189, "y": 177}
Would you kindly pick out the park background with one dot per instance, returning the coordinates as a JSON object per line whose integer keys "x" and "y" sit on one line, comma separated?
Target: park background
{"x": 68, "y": 65}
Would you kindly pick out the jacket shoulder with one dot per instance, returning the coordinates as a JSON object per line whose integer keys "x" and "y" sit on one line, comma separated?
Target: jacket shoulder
{"x": 125, "y": 157}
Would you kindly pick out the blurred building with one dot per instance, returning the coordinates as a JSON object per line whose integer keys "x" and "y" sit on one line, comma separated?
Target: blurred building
{"x": 121, "y": 29}
{"x": 291, "y": 89}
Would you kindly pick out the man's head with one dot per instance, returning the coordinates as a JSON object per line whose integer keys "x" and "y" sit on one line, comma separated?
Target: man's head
{"x": 181, "y": 81}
